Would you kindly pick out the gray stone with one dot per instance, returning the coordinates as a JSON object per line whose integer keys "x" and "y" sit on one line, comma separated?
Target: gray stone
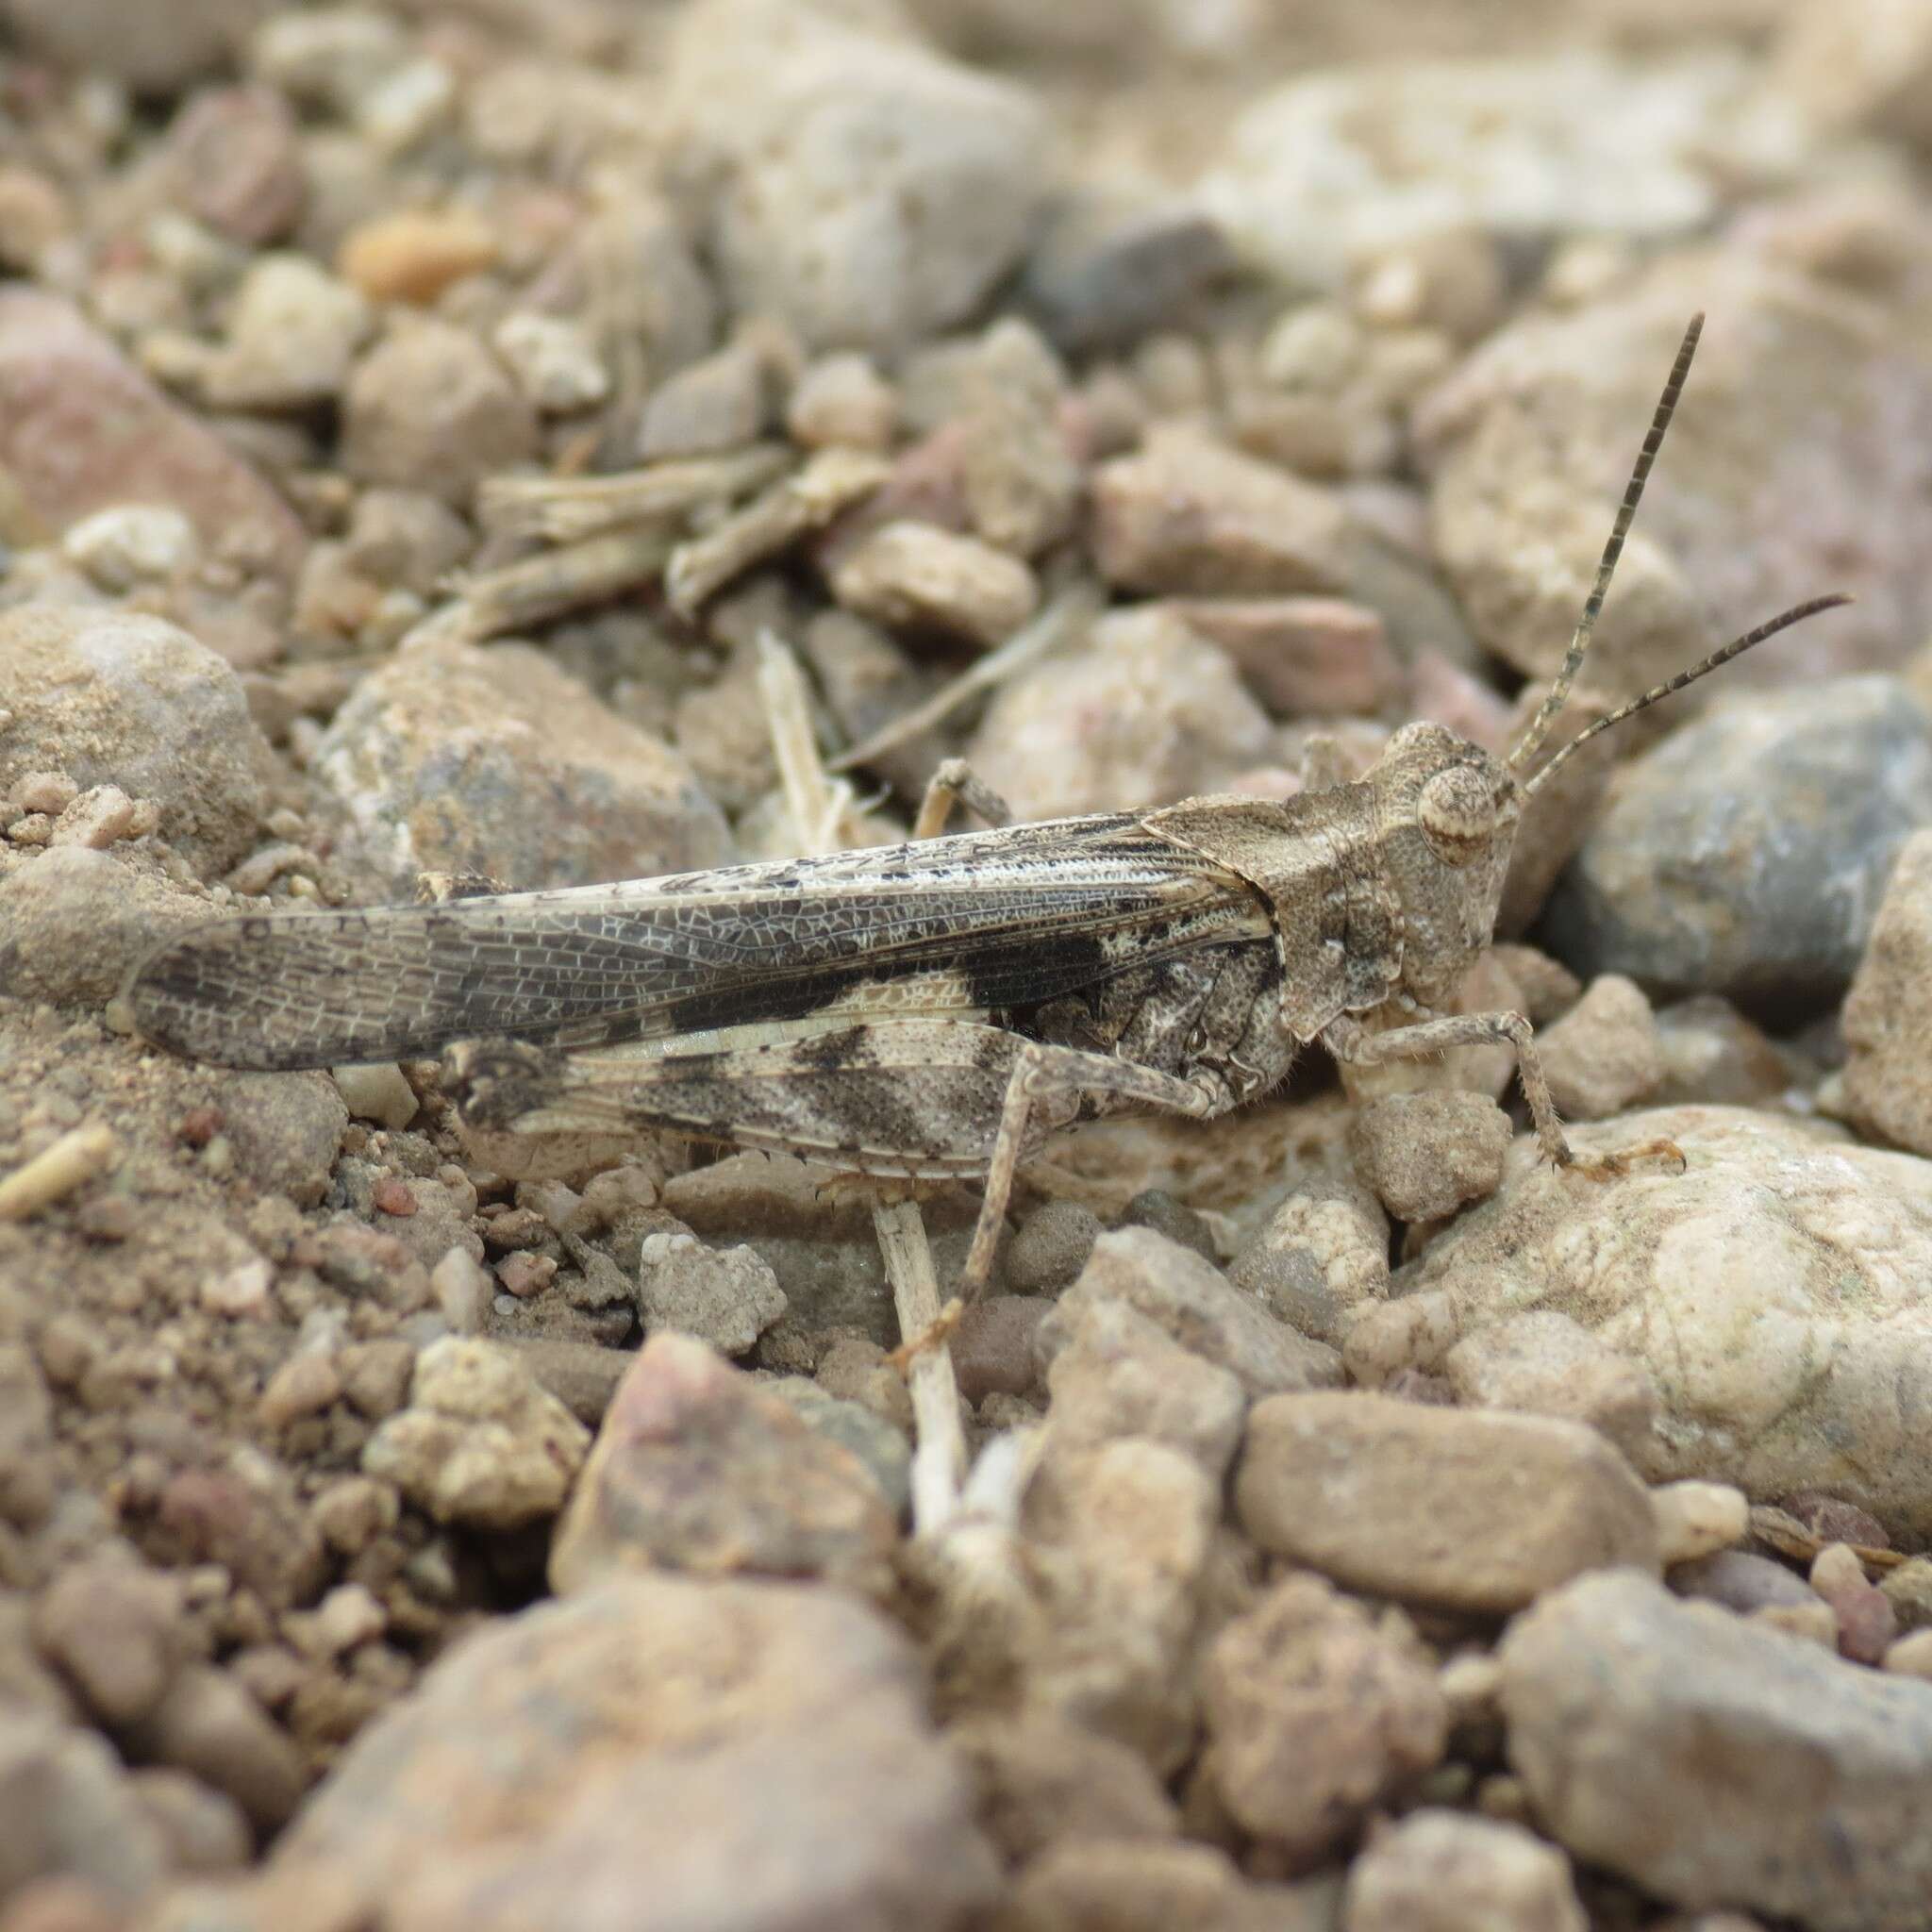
{"x": 1788, "y": 473}
{"x": 292, "y": 334}
{"x": 82, "y": 429}
{"x": 1747, "y": 854}
{"x": 881, "y": 1447}
{"x": 717, "y": 402}
{"x": 209, "y": 1725}
{"x": 430, "y": 407}
{"x": 1115, "y": 1374}
{"x": 698, "y": 1744}
{"x": 697, "y": 1468}
{"x": 1741, "y": 1581}
{"x": 1545, "y": 1363}
{"x": 1716, "y": 1762}
{"x": 452, "y": 758}
{"x": 1129, "y": 1887}
{"x": 1041, "y": 1779}
{"x": 1427, "y": 1153}
{"x": 1331, "y": 169}
{"x": 1119, "y": 1540}
{"x": 727, "y": 1298}
{"x": 1108, "y": 270}
{"x": 1188, "y": 516}
{"x": 138, "y": 703}
{"x": 1324, "y": 1254}
{"x": 113, "y": 1631}
{"x": 73, "y": 923}
{"x": 1772, "y": 1294}
{"x": 1887, "y": 1016}
{"x": 1446, "y": 1871}
{"x": 69, "y": 1810}
{"x": 1713, "y": 1055}
{"x": 1314, "y": 1714}
{"x": 1603, "y": 1054}
{"x": 1470, "y": 1510}
{"x": 1146, "y": 713}
{"x": 1051, "y": 1247}
{"x": 866, "y": 190}
{"x": 481, "y": 1443}
{"x": 1196, "y": 1306}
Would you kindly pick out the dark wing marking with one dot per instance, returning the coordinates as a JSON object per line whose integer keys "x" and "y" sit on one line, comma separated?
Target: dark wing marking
{"x": 979, "y": 921}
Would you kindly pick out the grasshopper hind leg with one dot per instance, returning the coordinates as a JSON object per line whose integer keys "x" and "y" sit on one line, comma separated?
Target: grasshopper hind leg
{"x": 1048, "y": 1088}
{"x": 920, "y": 1099}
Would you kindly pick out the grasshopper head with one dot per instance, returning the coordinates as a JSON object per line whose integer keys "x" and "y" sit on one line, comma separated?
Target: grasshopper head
{"x": 1447, "y": 813}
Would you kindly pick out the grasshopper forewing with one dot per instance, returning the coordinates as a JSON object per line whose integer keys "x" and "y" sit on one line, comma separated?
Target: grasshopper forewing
{"x": 937, "y": 1008}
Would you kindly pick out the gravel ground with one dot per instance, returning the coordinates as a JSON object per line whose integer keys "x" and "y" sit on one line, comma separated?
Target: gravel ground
{"x": 412, "y": 417}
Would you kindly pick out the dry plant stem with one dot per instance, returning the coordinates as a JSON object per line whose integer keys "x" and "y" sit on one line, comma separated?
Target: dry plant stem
{"x": 568, "y": 508}
{"x": 55, "y": 1172}
{"x": 821, "y": 808}
{"x": 1063, "y": 619}
{"x": 539, "y": 588}
{"x": 830, "y": 482}
{"x": 939, "y": 1456}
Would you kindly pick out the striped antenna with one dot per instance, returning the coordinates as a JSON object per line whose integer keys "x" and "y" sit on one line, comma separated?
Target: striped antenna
{"x": 1736, "y": 648}
{"x": 1531, "y": 742}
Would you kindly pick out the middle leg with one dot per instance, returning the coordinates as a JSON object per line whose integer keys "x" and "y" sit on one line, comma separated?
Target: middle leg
{"x": 1348, "y": 1040}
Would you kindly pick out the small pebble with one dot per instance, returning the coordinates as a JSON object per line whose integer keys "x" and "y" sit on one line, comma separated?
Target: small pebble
{"x": 1051, "y": 1248}
{"x": 50, "y": 793}
{"x": 555, "y": 362}
{"x": 102, "y": 816}
{"x": 1427, "y": 1153}
{"x": 525, "y": 1274}
{"x": 1603, "y": 1055}
{"x": 716, "y": 403}
{"x": 1696, "y": 1518}
{"x": 378, "y": 1093}
{"x": 131, "y": 544}
{"x": 414, "y": 257}
{"x": 844, "y": 399}
{"x": 305, "y": 1383}
{"x": 392, "y": 1196}
{"x": 241, "y": 1292}
{"x": 1816, "y": 1622}
{"x": 1911, "y": 1655}
{"x": 462, "y": 1291}
{"x": 909, "y": 573}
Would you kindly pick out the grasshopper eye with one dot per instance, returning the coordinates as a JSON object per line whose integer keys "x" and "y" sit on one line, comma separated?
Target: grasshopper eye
{"x": 1457, "y": 814}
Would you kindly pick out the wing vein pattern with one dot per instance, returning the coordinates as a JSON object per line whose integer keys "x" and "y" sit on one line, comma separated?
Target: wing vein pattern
{"x": 977, "y": 922}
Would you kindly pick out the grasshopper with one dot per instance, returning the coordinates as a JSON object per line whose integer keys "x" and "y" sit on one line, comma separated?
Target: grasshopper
{"x": 936, "y": 1009}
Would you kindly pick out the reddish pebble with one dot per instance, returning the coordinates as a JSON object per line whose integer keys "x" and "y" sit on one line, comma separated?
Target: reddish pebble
{"x": 392, "y": 1196}
{"x": 199, "y": 1126}
{"x": 525, "y": 1274}
{"x": 1867, "y": 1624}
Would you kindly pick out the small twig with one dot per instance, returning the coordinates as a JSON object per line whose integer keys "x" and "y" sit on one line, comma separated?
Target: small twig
{"x": 820, "y": 807}
{"x": 808, "y": 499}
{"x": 1069, "y": 613}
{"x": 939, "y": 1455}
{"x": 539, "y": 588}
{"x": 568, "y": 508}
{"x": 55, "y": 1172}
